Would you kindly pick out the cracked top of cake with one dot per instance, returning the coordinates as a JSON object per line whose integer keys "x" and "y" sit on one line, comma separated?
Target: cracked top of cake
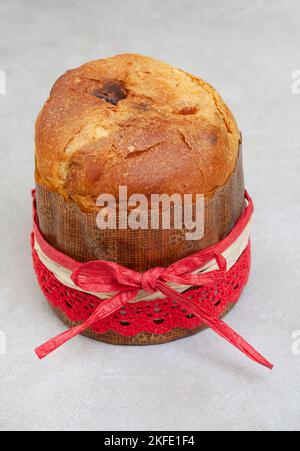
{"x": 133, "y": 121}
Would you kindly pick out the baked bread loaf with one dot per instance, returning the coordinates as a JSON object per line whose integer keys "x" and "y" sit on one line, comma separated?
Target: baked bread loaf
{"x": 133, "y": 121}
{"x": 136, "y": 122}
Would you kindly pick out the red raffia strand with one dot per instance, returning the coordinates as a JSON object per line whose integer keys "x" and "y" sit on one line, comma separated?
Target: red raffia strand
{"x": 102, "y": 276}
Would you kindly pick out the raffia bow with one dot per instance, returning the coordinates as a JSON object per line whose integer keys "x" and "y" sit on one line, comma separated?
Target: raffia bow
{"x": 103, "y": 277}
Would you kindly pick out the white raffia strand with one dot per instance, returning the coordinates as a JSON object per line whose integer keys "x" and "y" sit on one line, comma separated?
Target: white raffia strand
{"x": 231, "y": 254}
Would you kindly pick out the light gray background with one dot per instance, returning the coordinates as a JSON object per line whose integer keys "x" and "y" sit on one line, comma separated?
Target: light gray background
{"x": 248, "y": 51}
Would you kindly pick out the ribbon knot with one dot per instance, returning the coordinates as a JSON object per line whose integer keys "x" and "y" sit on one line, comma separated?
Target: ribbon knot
{"x": 150, "y": 278}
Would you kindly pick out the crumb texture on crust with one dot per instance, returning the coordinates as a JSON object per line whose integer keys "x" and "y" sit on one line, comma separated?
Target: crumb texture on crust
{"x": 134, "y": 121}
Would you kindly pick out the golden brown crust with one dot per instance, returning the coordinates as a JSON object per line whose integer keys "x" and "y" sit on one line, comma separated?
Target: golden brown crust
{"x": 131, "y": 120}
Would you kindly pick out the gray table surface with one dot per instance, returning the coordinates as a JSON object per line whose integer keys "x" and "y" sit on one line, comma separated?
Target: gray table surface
{"x": 248, "y": 50}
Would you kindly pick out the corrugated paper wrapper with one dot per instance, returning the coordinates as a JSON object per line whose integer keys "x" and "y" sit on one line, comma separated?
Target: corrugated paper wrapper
{"x": 76, "y": 234}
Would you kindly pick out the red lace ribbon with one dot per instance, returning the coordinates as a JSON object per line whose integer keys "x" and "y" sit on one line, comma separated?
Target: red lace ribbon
{"x": 105, "y": 277}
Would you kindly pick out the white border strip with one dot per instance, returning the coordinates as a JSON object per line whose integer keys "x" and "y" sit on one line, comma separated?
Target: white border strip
{"x": 232, "y": 254}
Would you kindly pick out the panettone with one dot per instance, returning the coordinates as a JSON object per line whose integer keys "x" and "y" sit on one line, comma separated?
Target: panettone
{"x": 133, "y": 121}
{"x": 130, "y": 120}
